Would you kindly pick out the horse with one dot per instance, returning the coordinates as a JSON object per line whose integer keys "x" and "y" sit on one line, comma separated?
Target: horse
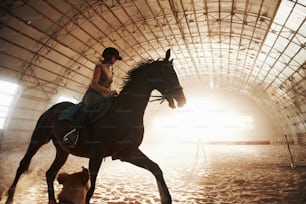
{"x": 118, "y": 134}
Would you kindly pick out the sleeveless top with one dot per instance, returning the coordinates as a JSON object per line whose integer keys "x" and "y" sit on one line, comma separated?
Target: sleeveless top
{"x": 103, "y": 80}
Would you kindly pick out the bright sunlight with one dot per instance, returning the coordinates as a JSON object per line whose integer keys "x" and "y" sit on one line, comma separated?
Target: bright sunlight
{"x": 207, "y": 119}
{"x": 8, "y": 91}
{"x": 66, "y": 98}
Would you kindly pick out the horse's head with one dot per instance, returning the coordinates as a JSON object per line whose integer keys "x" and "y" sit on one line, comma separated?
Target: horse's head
{"x": 167, "y": 83}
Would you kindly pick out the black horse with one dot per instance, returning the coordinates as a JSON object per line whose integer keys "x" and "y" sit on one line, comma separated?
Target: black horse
{"x": 117, "y": 134}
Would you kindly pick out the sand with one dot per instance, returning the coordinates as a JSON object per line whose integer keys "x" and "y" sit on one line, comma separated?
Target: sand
{"x": 219, "y": 174}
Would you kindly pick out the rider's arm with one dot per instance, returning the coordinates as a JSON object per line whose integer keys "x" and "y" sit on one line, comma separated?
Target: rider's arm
{"x": 95, "y": 83}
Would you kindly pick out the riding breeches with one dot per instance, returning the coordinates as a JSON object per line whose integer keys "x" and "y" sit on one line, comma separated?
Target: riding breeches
{"x": 92, "y": 100}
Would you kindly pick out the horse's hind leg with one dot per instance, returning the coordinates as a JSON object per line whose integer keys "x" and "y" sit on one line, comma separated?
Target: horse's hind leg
{"x": 140, "y": 159}
{"x": 59, "y": 161}
{"x": 25, "y": 162}
{"x": 23, "y": 166}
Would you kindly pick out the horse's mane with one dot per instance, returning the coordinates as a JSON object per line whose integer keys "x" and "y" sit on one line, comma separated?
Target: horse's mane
{"x": 132, "y": 73}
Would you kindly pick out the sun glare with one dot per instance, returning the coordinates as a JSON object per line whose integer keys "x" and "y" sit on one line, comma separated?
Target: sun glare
{"x": 66, "y": 98}
{"x": 205, "y": 119}
{"x": 8, "y": 91}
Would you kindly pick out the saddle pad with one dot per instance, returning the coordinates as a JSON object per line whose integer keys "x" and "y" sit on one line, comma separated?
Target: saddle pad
{"x": 68, "y": 113}
{"x": 100, "y": 110}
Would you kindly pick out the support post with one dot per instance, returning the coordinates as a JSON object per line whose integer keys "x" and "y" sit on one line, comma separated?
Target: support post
{"x": 291, "y": 158}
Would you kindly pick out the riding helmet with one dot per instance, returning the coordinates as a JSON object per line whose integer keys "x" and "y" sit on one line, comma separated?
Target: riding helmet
{"x": 109, "y": 52}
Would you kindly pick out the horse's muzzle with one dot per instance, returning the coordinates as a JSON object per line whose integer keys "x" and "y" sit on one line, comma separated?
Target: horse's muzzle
{"x": 176, "y": 95}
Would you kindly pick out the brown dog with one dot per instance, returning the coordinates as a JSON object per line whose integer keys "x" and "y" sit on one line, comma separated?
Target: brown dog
{"x": 75, "y": 187}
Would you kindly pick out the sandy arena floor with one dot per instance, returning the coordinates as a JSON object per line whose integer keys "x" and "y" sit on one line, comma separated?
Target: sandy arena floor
{"x": 219, "y": 174}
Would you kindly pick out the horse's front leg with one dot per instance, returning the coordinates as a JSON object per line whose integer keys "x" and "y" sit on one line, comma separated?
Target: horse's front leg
{"x": 140, "y": 159}
{"x": 94, "y": 166}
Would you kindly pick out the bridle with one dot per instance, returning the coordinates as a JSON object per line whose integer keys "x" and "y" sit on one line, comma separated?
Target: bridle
{"x": 164, "y": 96}
{"x": 160, "y": 98}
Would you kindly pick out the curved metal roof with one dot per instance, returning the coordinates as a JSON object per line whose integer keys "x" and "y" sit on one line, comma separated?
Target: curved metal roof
{"x": 250, "y": 46}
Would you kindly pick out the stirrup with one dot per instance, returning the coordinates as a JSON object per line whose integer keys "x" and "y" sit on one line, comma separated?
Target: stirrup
{"x": 71, "y": 138}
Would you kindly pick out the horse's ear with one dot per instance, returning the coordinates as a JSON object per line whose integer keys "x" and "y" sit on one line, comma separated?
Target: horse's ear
{"x": 171, "y": 61}
{"x": 85, "y": 176}
{"x": 62, "y": 177}
{"x": 167, "y": 55}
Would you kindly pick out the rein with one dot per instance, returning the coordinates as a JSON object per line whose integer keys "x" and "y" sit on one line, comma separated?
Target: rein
{"x": 162, "y": 98}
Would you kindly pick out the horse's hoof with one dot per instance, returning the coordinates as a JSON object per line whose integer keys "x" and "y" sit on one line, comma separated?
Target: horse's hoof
{"x": 9, "y": 201}
{"x": 52, "y": 202}
{"x": 166, "y": 201}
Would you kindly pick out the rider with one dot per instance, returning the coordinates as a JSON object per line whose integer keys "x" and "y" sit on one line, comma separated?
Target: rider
{"x": 102, "y": 79}
{"x": 99, "y": 89}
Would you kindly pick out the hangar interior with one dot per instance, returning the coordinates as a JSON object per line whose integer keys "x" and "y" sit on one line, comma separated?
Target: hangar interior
{"x": 251, "y": 49}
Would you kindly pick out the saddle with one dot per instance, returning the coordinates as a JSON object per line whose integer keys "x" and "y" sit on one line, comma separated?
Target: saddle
{"x": 70, "y": 114}
{"x": 98, "y": 111}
